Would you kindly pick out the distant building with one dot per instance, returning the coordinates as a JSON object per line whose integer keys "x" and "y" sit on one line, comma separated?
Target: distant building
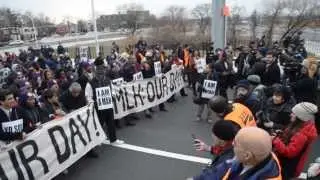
{"x": 120, "y": 20}
{"x": 63, "y": 28}
{"x": 10, "y": 33}
{"x": 28, "y": 33}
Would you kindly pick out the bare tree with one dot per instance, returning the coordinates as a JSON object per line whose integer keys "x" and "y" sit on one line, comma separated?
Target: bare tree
{"x": 134, "y": 12}
{"x": 176, "y": 17}
{"x": 272, "y": 15}
{"x": 234, "y": 21}
{"x": 254, "y": 18}
{"x": 202, "y": 13}
{"x": 299, "y": 14}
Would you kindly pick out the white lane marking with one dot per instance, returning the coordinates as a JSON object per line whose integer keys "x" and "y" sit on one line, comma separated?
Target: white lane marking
{"x": 171, "y": 155}
{"x": 162, "y": 153}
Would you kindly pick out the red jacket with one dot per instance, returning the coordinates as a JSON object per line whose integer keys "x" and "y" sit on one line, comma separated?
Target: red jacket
{"x": 303, "y": 138}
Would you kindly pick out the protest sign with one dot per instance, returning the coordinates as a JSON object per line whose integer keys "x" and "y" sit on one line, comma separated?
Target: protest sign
{"x": 4, "y": 73}
{"x": 104, "y": 98}
{"x": 209, "y": 89}
{"x": 138, "y": 76}
{"x": 118, "y": 81}
{"x": 84, "y": 51}
{"x": 48, "y": 151}
{"x": 13, "y": 126}
{"x": 157, "y": 68}
{"x": 201, "y": 65}
{"x": 140, "y": 95}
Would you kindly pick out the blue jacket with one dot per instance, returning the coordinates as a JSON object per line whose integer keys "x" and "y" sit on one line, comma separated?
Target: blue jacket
{"x": 231, "y": 169}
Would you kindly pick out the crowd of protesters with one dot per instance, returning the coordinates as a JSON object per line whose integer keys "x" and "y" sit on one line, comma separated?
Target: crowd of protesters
{"x": 263, "y": 131}
{"x": 265, "y": 128}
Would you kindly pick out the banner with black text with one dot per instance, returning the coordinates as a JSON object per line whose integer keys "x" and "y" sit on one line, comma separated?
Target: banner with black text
{"x": 48, "y": 151}
{"x": 137, "y": 96}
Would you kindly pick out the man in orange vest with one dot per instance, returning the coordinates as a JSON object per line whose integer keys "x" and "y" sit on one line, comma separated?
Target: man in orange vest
{"x": 236, "y": 112}
{"x": 253, "y": 159}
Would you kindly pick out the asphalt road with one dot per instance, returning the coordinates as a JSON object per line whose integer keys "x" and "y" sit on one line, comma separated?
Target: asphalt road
{"x": 167, "y": 131}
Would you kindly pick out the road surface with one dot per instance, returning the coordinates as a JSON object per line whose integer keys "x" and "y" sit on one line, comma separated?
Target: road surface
{"x": 155, "y": 149}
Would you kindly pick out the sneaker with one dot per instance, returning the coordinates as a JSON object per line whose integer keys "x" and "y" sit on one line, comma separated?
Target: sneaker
{"x": 198, "y": 119}
{"x": 117, "y": 142}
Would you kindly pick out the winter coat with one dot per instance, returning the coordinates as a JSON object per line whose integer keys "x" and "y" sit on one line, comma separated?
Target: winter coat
{"x": 292, "y": 154}
{"x": 231, "y": 169}
{"x": 305, "y": 90}
{"x": 71, "y": 103}
{"x": 32, "y": 116}
{"x": 279, "y": 114}
{"x": 271, "y": 75}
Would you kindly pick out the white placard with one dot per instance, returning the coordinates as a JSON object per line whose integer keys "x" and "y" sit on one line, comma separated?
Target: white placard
{"x": 84, "y": 51}
{"x": 138, "y": 76}
{"x": 4, "y": 73}
{"x": 201, "y": 65}
{"x": 157, "y": 68}
{"x": 104, "y": 98}
{"x": 49, "y": 150}
{"x": 118, "y": 82}
{"x": 209, "y": 89}
{"x": 13, "y": 126}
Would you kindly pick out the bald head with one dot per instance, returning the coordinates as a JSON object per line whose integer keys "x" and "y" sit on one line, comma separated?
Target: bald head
{"x": 255, "y": 141}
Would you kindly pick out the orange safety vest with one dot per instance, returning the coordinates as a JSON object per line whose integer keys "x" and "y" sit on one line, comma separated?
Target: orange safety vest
{"x": 241, "y": 115}
{"x": 186, "y": 57}
{"x": 279, "y": 177}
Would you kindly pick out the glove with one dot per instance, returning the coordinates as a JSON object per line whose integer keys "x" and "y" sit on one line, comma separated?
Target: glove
{"x": 268, "y": 124}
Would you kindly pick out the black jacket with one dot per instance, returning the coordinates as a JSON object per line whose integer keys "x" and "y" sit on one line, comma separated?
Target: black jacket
{"x": 32, "y": 116}
{"x": 305, "y": 90}
{"x": 71, "y": 103}
{"x": 271, "y": 75}
{"x": 5, "y": 136}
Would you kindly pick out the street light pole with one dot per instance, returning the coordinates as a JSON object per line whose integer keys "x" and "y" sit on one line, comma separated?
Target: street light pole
{"x": 95, "y": 27}
{"x": 34, "y": 32}
{"x": 218, "y": 24}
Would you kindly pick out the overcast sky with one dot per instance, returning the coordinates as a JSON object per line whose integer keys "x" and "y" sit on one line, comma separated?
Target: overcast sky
{"x": 81, "y": 9}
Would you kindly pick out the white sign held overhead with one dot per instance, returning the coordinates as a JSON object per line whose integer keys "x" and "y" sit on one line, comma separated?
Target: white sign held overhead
{"x": 104, "y": 98}
{"x": 209, "y": 89}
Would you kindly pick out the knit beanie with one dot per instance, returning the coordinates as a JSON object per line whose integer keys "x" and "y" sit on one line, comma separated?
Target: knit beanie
{"x": 254, "y": 79}
{"x": 224, "y": 130}
{"x": 243, "y": 83}
{"x": 305, "y": 111}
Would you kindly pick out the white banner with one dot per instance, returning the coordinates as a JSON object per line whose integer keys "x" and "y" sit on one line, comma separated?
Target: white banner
{"x": 104, "y": 98}
{"x": 141, "y": 95}
{"x": 48, "y": 151}
{"x": 13, "y": 126}
{"x": 209, "y": 89}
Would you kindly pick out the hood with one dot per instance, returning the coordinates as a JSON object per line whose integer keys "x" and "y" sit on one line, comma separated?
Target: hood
{"x": 309, "y": 130}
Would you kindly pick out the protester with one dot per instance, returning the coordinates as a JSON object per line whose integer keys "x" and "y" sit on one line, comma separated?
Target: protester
{"x": 292, "y": 146}
{"x": 51, "y": 105}
{"x": 257, "y": 88}
{"x": 244, "y": 95}
{"x": 30, "y": 112}
{"x": 8, "y": 112}
{"x": 106, "y": 116}
{"x": 272, "y": 72}
{"x": 277, "y": 110}
{"x": 253, "y": 158}
{"x": 73, "y": 99}
{"x": 236, "y": 112}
